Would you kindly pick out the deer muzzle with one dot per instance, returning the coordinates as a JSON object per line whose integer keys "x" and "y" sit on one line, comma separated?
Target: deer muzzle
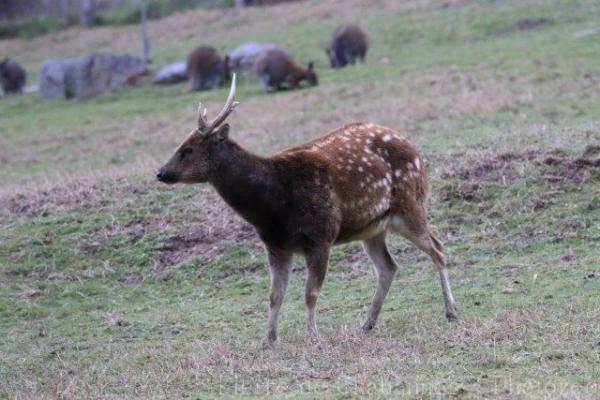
{"x": 166, "y": 176}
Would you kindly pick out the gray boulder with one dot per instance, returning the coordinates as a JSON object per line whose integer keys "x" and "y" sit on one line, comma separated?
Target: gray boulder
{"x": 241, "y": 59}
{"x": 172, "y": 73}
{"x": 88, "y": 76}
{"x": 53, "y": 77}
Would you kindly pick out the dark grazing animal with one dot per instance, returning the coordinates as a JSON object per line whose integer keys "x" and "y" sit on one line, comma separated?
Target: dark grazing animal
{"x": 348, "y": 43}
{"x": 242, "y": 58}
{"x": 206, "y": 69}
{"x": 12, "y": 76}
{"x": 358, "y": 182}
{"x": 276, "y": 68}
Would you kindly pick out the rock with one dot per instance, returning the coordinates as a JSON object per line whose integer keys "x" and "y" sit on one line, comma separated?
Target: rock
{"x": 111, "y": 72}
{"x": 241, "y": 59}
{"x": 52, "y": 77}
{"x": 172, "y": 73}
{"x": 88, "y": 76}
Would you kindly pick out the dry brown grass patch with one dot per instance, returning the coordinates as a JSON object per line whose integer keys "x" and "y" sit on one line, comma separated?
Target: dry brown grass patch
{"x": 557, "y": 168}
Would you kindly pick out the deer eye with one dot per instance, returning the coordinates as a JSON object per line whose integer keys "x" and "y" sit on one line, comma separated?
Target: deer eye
{"x": 187, "y": 151}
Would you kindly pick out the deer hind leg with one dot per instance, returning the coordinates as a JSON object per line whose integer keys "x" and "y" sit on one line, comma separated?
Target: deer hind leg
{"x": 280, "y": 265}
{"x": 418, "y": 233}
{"x": 316, "y": 260}
{"x": 386, "y": 268}
{"x": 437, "y": 254}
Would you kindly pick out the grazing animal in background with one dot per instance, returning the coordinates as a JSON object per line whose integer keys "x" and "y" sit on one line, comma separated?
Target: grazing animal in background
{"x": 242, "y": 58}
{"x": 358, "y": 182}
{"x": 206, "y": 69}
{"x": 349, "y": 42}
{"x": 276, "y": 68}
{"x": 12, "y": 76}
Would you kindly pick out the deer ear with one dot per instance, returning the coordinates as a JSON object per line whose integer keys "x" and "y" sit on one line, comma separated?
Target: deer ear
{"x": 310, "y": 65}
{"x": 222, "y": 132}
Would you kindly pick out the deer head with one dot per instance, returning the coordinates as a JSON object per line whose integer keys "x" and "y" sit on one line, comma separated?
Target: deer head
{"x": 191, "y": 162}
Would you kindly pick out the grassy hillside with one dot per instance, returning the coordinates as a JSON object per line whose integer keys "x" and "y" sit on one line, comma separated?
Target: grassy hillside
{"x": 114, "y": 286}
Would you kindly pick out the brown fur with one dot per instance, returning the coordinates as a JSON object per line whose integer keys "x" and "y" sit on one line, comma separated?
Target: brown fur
{"x": 276, "y": 68}
{"x": 349, "y": 43}
{"x": 206, "y": 69}
{"x": 12, "y": 76}
{"x": 358, "y": 182}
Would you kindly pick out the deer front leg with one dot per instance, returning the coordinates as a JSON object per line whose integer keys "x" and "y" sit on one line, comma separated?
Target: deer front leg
{"x": 316, "y": 262}
{"x": 279, "y": 264}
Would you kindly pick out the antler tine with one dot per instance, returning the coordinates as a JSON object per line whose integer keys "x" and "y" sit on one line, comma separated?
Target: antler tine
{"x": 202, "y": 121}
{"x": 230, "y": 104}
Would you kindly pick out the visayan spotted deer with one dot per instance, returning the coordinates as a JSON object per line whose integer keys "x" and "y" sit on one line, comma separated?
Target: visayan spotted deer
{"x": 357, "y": 182}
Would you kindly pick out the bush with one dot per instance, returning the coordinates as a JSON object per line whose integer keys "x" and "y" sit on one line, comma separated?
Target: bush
{"x": 29, "y": 28}
{"x": 130, "y": 13}
{"x": 127, "y": 14}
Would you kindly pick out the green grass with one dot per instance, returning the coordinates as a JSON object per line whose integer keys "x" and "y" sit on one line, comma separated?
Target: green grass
{"x": 114, "y": 286}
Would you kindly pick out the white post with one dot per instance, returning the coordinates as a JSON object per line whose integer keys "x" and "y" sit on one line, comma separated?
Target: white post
{"x": 144, "y": 31}
{"x": 64, "y": 12}
{"x": 87, "y": 11}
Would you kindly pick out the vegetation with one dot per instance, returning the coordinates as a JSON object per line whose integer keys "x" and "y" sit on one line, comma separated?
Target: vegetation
{"x": 112, "y": 285}
{"x": 125, "y": 14}
{"x": 29, "y": 28}
{"x": 129, "y": 13}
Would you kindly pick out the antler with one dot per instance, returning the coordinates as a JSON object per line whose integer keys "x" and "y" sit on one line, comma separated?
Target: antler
{"x": 204, "y": 125}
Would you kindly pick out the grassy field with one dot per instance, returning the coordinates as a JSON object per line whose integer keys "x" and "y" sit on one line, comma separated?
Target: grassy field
{"x": 114, "y": 286}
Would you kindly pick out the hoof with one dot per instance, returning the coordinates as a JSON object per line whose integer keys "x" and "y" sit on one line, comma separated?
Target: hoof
{"x": 269, "y": 343}
{"x": 452, "y": 316}
{"x": 313, "y": 338}
{"x": 368, "y": 326}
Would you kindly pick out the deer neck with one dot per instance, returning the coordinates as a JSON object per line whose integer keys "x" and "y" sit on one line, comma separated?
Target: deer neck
{"x": 247, "y": 182}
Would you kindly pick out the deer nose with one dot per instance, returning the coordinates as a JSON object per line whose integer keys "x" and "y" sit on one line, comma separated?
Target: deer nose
{"x": 166, "y": 176}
